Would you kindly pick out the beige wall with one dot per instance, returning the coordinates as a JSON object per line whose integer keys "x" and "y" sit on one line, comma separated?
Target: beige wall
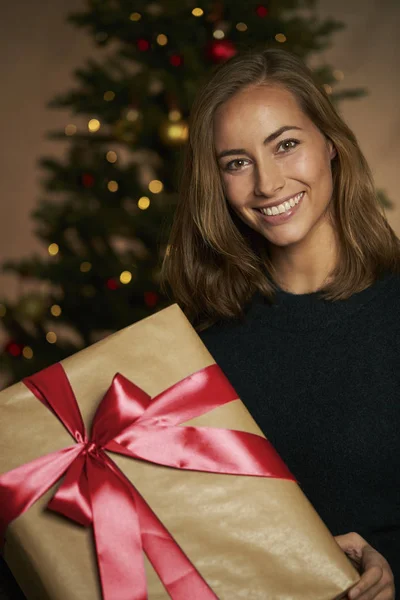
{"x": 39, "y": 50}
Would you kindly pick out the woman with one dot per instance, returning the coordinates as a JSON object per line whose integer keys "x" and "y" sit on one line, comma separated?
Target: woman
{"x": 282, "y": 259}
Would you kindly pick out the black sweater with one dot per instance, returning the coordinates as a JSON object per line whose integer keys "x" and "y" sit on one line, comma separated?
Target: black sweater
{"x": 322, "y": 380}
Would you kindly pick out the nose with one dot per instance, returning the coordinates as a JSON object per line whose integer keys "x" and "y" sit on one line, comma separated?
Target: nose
{"x": 269, "y": 179}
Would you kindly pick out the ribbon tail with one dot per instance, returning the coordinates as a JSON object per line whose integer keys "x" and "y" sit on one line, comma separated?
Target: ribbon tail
{"x": 178, "y": 575}
{"x": 23, "y": 486}
{"x": 205, "y": 449}
{"x": 72, "y": 498}
{"x": 117, "y": 534}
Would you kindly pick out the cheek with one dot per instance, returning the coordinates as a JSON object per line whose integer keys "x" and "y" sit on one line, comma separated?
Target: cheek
{"x": 235, "y": 188}
{"x": 312, "y": 169}
{"x": 302, "y": 166}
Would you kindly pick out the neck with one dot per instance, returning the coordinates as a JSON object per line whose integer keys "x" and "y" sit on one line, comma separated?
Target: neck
{"x": 305, "y": 267}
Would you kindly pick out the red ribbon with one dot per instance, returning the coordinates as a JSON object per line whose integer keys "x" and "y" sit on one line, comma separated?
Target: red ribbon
{"x": 95, "y": 492}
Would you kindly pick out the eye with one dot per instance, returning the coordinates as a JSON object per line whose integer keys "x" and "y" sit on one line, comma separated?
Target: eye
{"x": 288, "y": 145}
{"x": 239, "y": 162}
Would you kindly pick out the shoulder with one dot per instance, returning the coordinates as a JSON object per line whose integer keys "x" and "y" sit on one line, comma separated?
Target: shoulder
{"x": 387, "y": 290}
{"x": 227, "y": 334}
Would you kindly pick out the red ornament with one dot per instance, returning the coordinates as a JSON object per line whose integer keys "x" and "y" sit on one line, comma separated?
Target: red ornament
{"x": 151, "y": 299}
{"x": 112, "y": 284}
{"x": 87, "y": 180}
{"x": 143, "y": 45}
{"x": 220, "y": 50}
{"x": 261, "y": 11}
{"x": 176, "y": 60}
{"x": 13, "y": 348}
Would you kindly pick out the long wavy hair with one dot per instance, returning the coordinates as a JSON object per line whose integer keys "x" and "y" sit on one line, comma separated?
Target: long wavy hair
{"x": 215, "y": 263}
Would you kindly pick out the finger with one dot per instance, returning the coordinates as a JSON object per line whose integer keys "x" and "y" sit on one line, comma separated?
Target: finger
{"x": 369, "y": 579}
{"x": 378, "y": 592}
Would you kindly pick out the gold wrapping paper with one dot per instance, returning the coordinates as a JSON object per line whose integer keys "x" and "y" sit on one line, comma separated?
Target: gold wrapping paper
{"x": 252, "y": 538}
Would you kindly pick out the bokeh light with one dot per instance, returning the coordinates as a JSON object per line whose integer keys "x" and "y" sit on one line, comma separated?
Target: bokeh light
{"x": 156, "y": 186}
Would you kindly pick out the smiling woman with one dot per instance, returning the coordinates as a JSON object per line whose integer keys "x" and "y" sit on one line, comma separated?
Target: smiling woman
{"x": 283, "y": 186}
{"x": 261, "y": 133}
{"x": 282, "y": 258}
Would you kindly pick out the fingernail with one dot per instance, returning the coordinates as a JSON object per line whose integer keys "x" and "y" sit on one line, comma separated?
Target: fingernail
{"x": 354, "y": 593}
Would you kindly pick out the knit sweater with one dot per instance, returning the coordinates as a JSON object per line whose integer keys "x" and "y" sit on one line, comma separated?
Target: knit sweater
{"x": 322, "y": 380}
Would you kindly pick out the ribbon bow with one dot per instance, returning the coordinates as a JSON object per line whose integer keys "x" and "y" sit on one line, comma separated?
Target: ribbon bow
{"x": 95, "y": 492}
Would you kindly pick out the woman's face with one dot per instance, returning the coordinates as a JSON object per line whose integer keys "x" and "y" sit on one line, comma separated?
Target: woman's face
{"x": 275, "y": 164}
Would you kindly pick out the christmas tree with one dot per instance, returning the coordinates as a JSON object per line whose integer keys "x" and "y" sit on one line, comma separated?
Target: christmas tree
{"x": 107, "y": 205}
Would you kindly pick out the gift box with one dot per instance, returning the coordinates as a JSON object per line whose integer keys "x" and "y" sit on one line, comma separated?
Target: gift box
{"x": 183, "y": 485}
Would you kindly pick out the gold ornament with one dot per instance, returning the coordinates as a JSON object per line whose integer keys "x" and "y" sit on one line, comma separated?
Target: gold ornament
{"x": 174, "y": 133}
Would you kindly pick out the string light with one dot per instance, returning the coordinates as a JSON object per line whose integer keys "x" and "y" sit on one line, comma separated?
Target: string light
{"x": 125, "y": 277}
{"x": 151, "y": 299}
{"x": 3, "y": 310}
{"x": 85, "y": 266}
{"x": 143, "y": 203}
{"x": 262, "y": 11}
{"x": 56, "y": 310}
{"x": 51, "y": 337}
{"x": 112, "y": 186}
{"x": 94, "y": 125}
{"x": 27, "y": 352}
{"x": 135, "y": 16}
{"x": 338, "y": 75}
{"x": 109, "y": 96}
{"x": 112, "y": 284}
{"x": 70, "y": 129}
{"x": 88, "y": 180}
{"x": 174, "y": 115}
{"x": 241, "y": 26}
{"x": 176, "y": 60}
{"x": 162, "y": 40}
{"x": 53, "y": 249}
{"x": 132, "y": 115}
{"x": 218, "y": 34}
{"x": 280, "y": 37}
{"x": 327, "y": 88}
{"x": 111, "y": 156}
{"x": 14, "y": 349}
{"x": 197, "y": 12}
{"x": 156, "y": 186}
{"x": 143, "y": 45}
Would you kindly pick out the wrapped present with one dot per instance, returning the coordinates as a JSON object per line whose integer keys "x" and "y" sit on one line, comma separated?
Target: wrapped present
{"x": 168, "y": 487}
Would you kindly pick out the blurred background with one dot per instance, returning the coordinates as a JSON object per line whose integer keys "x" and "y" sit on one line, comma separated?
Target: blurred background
{"x": 99, "y": 168}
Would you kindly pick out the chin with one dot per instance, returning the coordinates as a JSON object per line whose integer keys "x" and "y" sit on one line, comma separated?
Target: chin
{"x": 286, "y": 239}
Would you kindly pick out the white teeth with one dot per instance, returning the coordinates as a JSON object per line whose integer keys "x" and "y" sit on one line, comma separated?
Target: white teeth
{"x": 281, "y": 208}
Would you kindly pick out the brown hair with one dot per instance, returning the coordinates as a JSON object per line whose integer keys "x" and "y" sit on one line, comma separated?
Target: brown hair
{"x": 215, "y": 262}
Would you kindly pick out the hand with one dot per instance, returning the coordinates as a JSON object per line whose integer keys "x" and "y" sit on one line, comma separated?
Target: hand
{"x": 376, "y": 581}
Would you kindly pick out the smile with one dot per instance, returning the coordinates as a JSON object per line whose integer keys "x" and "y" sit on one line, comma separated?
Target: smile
{"x": 282, "y": 208}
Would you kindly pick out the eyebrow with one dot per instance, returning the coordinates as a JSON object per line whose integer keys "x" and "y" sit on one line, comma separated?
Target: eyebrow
{"x": 267, "y": 140}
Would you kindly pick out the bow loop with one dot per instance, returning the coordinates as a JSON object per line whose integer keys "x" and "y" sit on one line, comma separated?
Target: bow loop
{"x": 120, "y": 408}
{"x": 53, "y": 389}
{"x": 72, "y": 499}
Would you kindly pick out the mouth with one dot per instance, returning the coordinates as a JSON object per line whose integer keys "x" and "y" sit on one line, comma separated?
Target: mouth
{"x": 283, "y": 207}
{"x": 280, "y": 214}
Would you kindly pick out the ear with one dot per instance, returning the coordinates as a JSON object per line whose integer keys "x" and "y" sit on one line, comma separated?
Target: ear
{"x": 331, "y": 149}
